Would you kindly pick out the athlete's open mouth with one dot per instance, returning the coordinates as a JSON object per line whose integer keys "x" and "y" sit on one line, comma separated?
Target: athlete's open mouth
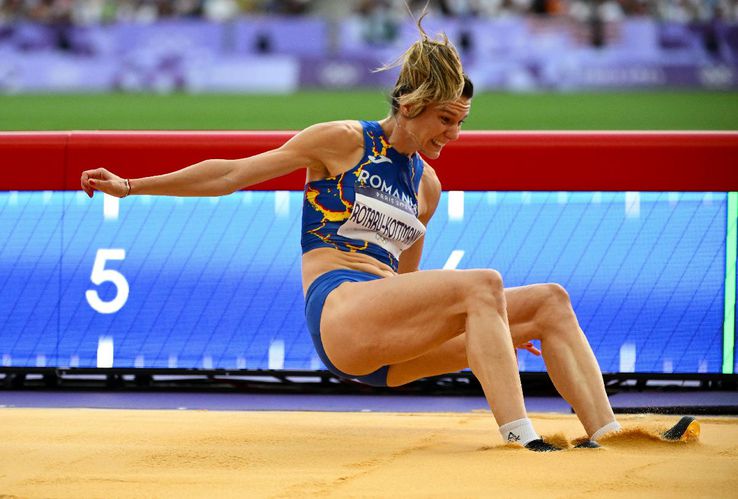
{"x": 437, "y": 144}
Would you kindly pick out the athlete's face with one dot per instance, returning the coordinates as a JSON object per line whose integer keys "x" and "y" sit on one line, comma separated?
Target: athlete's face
{"x": 438, "y": 125}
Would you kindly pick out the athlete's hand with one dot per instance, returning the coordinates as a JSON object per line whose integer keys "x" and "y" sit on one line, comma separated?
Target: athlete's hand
{"x": 102, "y": 180}
{"x": 530, "y": 347}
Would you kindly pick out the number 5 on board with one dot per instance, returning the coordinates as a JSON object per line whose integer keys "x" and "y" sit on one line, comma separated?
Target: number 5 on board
{"x": 100, "y": 275}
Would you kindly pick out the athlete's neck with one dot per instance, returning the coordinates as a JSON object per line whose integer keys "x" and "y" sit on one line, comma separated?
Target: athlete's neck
{"x": 401, "y": 139}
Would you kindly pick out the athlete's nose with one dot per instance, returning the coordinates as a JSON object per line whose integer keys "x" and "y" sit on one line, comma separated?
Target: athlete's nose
{"x": 452, "y": 133}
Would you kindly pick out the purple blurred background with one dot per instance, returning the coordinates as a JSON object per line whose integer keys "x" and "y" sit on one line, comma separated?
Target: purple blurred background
{"x": 283, "y": 46}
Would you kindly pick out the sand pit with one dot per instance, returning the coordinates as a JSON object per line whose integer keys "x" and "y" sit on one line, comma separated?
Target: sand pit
{"x": 61, "y": 453}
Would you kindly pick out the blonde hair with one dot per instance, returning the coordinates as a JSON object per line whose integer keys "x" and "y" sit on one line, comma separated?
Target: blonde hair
{"x": 430, "y": 71}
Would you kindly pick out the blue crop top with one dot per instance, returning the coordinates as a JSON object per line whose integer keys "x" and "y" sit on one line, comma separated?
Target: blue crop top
{"x": 371, "y": 208}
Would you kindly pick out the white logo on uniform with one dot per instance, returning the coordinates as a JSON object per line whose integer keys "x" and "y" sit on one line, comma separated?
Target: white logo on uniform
{"x": 377, "y": 182}
{"x": 379, "y": 159}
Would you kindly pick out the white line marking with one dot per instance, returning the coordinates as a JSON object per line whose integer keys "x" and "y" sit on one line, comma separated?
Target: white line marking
{"x": 74, "y": 361}
{"x": 111, "y": 207}
{"x": 172, "y": 361}
{"x": 207, "y": 362}
{"x": 627, "y": 358}
{"x": 668, "y": 366}
{"x": 282, "y": 204}
{"x": 276, "y": 354}
{"x": 456, "y": 205}
{"x": 707, "y": 199}
{"x": 673, "y": 199}
{"x": 315, "y": 363}
{"x": 105, "y": 351}
{"x": 247, "y": 197}
{"x": 453, "y": 260}
{"x": 526, "y": 197}
{"x": 562, "y": 197}
{"x": 7, "y": 360}
{"x": 41, "y": 360}
{"x": 597, "y": 198}
{"x": 632, "y": 204}
{"x": 13, "y": 199}
{"x": 139, "y": 361}
{"x": 521, "y": 361}
{"x": 47, "y": 196}
{"x": 702, "y": 367}
{"x": 240, "y": 363}
{"x": 491, "y": 197}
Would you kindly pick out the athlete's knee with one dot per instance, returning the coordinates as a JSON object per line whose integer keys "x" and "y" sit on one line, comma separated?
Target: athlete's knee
{"x": 483, "y": 288}
{"x": 556, "y": 295}
{"x": 555, "y": 312}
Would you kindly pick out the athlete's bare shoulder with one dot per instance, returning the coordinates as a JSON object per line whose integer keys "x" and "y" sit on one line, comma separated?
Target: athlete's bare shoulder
{"x": 335, "y": 134}
{"x": 429, "y": 192}
{"x": 430, "y": 184}
{"x": 430, "y": 177}
{"x": 336, "y": 145}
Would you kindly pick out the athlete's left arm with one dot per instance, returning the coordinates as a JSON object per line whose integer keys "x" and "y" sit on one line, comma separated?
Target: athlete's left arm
{"x": 429, "y": 194}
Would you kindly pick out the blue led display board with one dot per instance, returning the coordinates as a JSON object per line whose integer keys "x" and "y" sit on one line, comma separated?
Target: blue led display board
{"x": 209, "y": 283}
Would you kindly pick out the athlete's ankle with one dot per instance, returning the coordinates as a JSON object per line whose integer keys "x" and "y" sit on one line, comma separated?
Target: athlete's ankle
{"x": 610, "y": 427}
{"x": 519, "y": 431}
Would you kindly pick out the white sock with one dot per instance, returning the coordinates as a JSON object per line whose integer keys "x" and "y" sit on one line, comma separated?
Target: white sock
{"x": 608, "y": 428}
{"x": 519, "y": 431}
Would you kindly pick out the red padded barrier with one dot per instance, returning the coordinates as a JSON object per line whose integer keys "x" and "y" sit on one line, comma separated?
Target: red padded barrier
{"x": 31, "y": 160}
{"x": 142, "y": 154}
{"x": 614, "y": 161}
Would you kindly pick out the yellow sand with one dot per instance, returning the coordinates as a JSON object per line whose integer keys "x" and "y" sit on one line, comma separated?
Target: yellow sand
{"x": 87, "y": 453}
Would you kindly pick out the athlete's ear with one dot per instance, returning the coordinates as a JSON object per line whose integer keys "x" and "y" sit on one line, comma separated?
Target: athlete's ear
{"x": 406, "y": 111}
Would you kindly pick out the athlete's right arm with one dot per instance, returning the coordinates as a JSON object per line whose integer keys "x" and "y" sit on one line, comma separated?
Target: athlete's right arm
{"x": 217, "y": 177}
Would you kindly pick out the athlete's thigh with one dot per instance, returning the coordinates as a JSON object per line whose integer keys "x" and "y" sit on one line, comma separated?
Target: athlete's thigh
{"x": 365, "y": 325}
{"x": 450, "y": 356}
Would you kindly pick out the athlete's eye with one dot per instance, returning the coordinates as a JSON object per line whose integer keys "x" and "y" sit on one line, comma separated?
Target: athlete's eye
{"x": 445, "y": 120}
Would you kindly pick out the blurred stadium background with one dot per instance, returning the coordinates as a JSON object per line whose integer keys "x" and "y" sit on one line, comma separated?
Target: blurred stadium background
{"x": 283, "y": 64}
{"x": 269, "y": 65}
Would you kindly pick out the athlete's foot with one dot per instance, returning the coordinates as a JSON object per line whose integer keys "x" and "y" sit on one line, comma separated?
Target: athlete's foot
{"x": 687, "y": 428}
{"x": 586, "y": 444}
{"x": 538, "y": 445}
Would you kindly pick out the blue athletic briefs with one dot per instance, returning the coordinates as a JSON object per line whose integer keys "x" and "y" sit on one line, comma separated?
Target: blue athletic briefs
{"x": 314, "y": 301}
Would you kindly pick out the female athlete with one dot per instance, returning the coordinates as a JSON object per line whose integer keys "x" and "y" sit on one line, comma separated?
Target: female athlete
{"x": 373, "y": 315}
